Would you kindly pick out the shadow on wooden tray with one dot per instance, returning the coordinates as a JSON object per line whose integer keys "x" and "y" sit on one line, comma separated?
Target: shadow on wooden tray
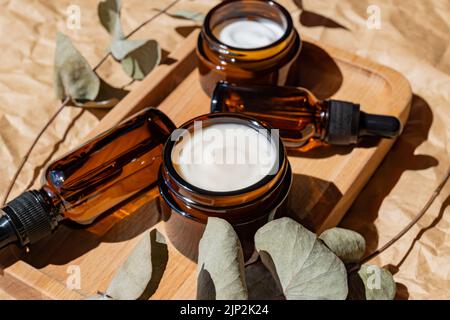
{"x": 72, "y": 240}
{"x": 319, "y": 73}
{"x": 309, "y": 201}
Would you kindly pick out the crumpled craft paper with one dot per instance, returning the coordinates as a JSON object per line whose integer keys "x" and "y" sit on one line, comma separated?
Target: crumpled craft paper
{"x": 412, "y": 38}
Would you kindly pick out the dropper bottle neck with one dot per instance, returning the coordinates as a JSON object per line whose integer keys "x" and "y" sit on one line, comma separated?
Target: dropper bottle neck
{"x": 341, "y": 123}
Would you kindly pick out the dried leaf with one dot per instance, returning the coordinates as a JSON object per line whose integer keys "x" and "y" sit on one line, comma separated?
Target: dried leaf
{"x": 371, "y": 283}
{"x": 109, "y": 14}
{"x": 187, "y": 15}
{"x": 220, "y": 263}
{"x": 73, "y": 75}
{"x": 108, "y": 97}
{"x": 301, "y": 264}
{"x": 121, "y": 48}
{"x": 103, "y": 105}
{"x": 139, "y": 276}
{"x": 260, "y": 283}
{"x": 141, "y": 61}
{"x": 348, "y": 245}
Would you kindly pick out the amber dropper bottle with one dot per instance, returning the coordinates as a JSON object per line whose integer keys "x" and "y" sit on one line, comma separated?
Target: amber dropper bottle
{"x": 90, "y": 180}
{"x": 301, "y": 117}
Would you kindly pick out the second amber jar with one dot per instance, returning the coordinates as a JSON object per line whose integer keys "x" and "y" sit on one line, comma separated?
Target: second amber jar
{"x": 223, "y": 56}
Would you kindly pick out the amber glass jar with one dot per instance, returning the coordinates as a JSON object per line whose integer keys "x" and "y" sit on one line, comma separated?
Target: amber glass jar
{"x": 271, "y": 63}
{"x": 186, "y": 207}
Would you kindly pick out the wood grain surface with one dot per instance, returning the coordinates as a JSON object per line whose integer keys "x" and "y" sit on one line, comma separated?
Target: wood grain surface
{"x": 326, "y": 180}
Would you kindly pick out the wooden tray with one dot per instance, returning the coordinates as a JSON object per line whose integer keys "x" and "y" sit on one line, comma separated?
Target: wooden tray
{"x": 326, "y": 180}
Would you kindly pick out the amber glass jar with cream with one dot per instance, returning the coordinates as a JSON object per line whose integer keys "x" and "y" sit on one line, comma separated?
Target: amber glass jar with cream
{"x": 207, "y": 172}
{"x": 247, "y": 42}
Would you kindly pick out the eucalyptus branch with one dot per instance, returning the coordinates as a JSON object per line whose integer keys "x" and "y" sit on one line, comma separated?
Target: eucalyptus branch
{"x": 66, "y": 102}
{"x": 409, "y": 226}
{"x": 167, "y": 8}
{"x": 33, "y": 144}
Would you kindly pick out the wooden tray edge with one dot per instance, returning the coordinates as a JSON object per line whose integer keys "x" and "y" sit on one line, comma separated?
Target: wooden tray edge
{"x": 152, "y": 90}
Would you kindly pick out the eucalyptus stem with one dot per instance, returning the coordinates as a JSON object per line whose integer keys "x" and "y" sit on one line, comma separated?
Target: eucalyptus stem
{"x": 33, "y": 144}
{"x": 66, "y": 102}
{"x": 409, "y": 226}
{"x": 168, "y": 7}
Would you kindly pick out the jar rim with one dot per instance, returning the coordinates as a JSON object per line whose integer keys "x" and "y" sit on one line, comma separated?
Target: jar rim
{"x": 249, "y": 121}
{"x": 285, "y": 184}
{"x": 209, "y": 33}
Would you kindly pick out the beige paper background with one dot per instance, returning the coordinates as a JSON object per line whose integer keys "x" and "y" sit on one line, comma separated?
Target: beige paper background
{"x": 414, "y": 39}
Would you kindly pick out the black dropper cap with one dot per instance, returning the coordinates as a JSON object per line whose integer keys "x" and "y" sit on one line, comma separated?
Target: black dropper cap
{"x": 7, "y": 233}
{"x": 347, "y": 123}
{"x": 25, "y": 220}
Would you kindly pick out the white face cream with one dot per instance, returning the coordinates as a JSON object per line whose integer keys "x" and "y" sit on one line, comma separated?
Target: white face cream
{"x": 249, "y": 34}
{"x": 224, "y": 156}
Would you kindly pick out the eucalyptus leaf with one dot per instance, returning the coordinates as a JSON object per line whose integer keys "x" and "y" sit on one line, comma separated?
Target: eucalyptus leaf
{"x": 108, "y": 97}
{"x": 187, "y": 15}
{"x": 260, "y": 283}
{"x": 301, "y": 264}
{"x": 348, "y": 245}
{"x": 100, "y": 105}
{"x": 139, "y": 276}
{"x": 109, "y": 14}
{"x": 371, "y": 283}
{"x": 73, "y": 75}
{"x": 221, "y": 274}
{"x": 138, "y": 63}
{"x": 122, "y": 47}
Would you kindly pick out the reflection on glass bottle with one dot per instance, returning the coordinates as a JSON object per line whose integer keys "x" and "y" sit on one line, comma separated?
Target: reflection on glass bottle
{"x": 301, "y": 117}
{"x": 91, "y": 179}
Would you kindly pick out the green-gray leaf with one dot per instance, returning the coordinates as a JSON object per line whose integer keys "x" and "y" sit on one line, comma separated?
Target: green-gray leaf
{"x": 121, "y": 48}
{"x": 301, "y": 264}
{"x": 348, "y": 245}
{"x": 139, "y": 276}
{"x": 221, "y": 274}
{"x": 188, "y": 15}
{"x": 108, "y": 97}
{"x": 371, "y": 283}
{"x": 138, "y": 63}
{"x": 109, "y": 14}
{"x": 73, "y": 75}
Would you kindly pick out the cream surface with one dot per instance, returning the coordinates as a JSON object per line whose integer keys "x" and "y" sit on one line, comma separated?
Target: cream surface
{"x": 224, "y": 157}
{"x": 249, "y": 34}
